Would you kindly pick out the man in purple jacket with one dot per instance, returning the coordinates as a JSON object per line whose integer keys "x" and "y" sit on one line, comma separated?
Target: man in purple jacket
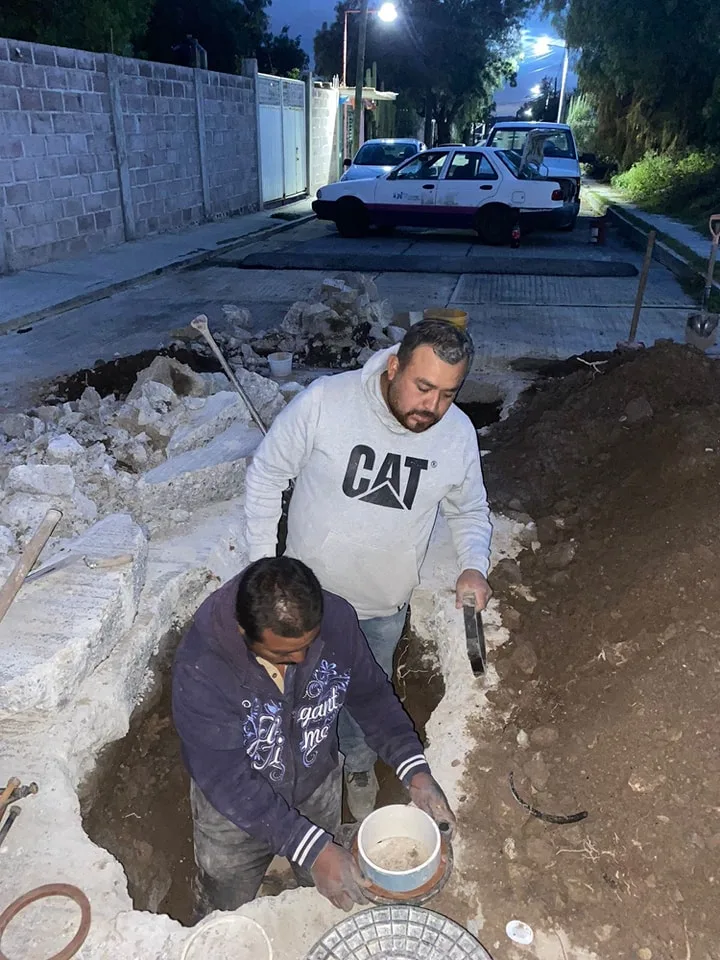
{"x": 258, "y": 682}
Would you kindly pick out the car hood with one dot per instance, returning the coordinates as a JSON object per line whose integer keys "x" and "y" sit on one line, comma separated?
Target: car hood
{"x": 365, "y": 173}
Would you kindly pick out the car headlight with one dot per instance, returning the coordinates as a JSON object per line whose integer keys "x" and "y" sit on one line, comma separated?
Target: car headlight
{"x": 319, "y": 194}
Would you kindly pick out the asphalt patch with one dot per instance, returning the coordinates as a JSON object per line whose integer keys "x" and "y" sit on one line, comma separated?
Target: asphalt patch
{"x": 413, "y": 263}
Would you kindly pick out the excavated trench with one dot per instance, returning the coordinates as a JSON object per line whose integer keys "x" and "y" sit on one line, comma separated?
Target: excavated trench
{"x": 136, "y": 803}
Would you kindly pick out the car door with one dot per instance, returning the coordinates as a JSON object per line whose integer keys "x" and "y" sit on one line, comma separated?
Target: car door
{"x": 470, "y": 180}
{"x": 406, "y": 196}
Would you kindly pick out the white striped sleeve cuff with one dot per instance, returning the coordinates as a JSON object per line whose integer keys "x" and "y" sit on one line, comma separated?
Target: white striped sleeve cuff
{"x": 310, "y": 846}
{"x": 411, "y": 766}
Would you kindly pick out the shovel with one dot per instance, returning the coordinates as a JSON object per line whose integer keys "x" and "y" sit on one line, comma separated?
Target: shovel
{"x": 701, "y": 327}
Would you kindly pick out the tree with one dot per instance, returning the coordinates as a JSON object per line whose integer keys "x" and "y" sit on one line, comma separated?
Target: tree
{"x": 98, "y": 25}
{"x": 582, "y": 118}
{"x": 229, "y": 30}
{"x": 446, "y": 56}
{"x": 282, "y": 55}
{"x": 649, "y": 68}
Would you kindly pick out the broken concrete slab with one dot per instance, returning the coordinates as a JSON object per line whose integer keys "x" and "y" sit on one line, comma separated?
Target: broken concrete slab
{"x": 48, "y": 479}
{"x": 23, "y": 512}
{"x": 205, "y": 423}
{"x": 181, "y": 378}
{"x": 198, "y": 477}
{"x": 60, "y": 627}
{"x": 64, "y": 449}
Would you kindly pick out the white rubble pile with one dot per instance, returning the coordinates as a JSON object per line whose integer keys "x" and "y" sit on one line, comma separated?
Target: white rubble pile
{"x": 341, "y": 324}
{"x": 180, "y": 440}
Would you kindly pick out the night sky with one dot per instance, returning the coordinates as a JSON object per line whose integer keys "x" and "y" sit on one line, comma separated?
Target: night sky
{"x": 305, "y": 18}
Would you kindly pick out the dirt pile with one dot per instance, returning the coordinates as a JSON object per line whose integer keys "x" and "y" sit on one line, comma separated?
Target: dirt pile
{"x": 609, "y": 682}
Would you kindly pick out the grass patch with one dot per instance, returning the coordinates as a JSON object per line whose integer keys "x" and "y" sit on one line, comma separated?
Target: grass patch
{"x": 686, "y": 187}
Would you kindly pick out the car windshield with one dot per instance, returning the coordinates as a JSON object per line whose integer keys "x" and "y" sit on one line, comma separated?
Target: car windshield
{"x": 384, "y": 154}
{"x": 560, "y": 144}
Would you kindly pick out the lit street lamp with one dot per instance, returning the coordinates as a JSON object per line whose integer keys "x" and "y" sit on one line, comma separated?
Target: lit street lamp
{"x": 387, "y": 13}
{"x": 541, "y": 48}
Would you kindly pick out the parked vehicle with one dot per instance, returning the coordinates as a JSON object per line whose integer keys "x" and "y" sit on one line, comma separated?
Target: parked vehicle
{"x": 377, "y": 157}
{"x": 557, "y": 160}
{"x": 453, "y": 187}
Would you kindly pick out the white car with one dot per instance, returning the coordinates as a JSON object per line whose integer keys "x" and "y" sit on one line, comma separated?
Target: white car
{"x": 454, "y": 187}
{"x": 376, "y": 157}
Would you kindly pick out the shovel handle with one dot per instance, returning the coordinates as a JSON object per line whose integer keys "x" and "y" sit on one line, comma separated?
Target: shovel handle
{"x": 27, "y": 559}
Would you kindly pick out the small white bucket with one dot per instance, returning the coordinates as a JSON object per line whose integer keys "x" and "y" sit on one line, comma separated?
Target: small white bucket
{"x": 399, "y": 848}
{"x": 280, "y": 364}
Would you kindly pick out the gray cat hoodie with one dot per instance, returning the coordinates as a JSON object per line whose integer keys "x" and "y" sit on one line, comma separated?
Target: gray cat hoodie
{"x": 367, "y": 490}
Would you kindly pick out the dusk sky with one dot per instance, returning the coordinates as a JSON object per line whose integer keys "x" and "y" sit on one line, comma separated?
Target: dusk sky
{"x": 306, "y": 17}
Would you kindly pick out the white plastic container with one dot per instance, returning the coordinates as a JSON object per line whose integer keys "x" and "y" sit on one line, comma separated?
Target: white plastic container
{"x": 409, "y": 835}
{"x": 280, "y": 364}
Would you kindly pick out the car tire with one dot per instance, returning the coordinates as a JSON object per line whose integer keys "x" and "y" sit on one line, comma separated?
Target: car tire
{"x": 352, "y": 220}
{"x": 495, "y": 224}
{"x": 569, "y": 227}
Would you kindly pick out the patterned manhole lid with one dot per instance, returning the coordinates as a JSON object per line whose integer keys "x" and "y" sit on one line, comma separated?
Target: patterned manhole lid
{"x": 400, "y": 933}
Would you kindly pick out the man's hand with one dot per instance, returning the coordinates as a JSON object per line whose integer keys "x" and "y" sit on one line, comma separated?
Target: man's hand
{"x": 426, "y": 794}
{"x": 472, "y": 581}
{"x": 337, "y": 877}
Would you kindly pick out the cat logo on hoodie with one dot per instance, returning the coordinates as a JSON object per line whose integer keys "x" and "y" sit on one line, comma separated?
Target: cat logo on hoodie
{"x": 395, "y": 484}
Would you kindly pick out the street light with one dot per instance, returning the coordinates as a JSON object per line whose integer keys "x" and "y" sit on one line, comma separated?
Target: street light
{"x": 541, "y": 48}
{"x": 536, "y": 90}
{"x": 387, "y": 13}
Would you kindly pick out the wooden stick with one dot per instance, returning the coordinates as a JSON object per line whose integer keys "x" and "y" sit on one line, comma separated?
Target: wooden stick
{"x": 641, "y": 286}
{"x": 26, "y": 562}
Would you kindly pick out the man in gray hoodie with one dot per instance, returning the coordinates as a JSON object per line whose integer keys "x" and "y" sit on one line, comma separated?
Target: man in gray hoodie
{"x": 375, "y": 454}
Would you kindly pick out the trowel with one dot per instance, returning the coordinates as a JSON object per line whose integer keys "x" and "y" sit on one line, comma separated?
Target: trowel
{"x": 474, "y": 635}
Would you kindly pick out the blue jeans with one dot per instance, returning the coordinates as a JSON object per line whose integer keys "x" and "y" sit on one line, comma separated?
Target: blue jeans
{"x": 383, "y": 635}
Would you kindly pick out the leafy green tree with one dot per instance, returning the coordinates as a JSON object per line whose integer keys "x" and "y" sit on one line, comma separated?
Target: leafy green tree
{"x": 98, "y": 25}
{"x": 582, "y": 118}
{"x": 282, "y": 55}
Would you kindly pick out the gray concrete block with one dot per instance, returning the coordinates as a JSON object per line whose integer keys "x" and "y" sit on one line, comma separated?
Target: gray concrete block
{"x": 196, "y": 478}
{"x": 61, "y": 627}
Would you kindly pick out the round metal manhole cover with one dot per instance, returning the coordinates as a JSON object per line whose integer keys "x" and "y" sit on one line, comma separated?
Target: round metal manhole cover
{"x": 400, "y": 933}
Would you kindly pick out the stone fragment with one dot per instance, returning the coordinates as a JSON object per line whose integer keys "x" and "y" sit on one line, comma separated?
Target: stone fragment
{"x": 292, "y": 323}
{"x": 638, "y": 410}
{"x": 68, "y": 622}
{"x": 50, "y": 479}
{"x": 64, "y": 449}
{"x": 7, "y": 541}
{"x": 560, "y": 556}
{"x": 181, "y": 379}
{"x": 382, "y": 312}
{"x": 216, "y": 415}
{"x": 16, "y": 426}
{"x": 237, "y": 317}
{"x": 396, "y": 334}
{"x": 525, "y": 658}
{"x": 365, "y": 354}
{"x": 90, "y": 402}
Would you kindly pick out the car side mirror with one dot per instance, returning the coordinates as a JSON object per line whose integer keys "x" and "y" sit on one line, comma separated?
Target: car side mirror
{"x": 347, "y": 164}
{"x": 392, "y": 175}
{"x": 588, "y": 158}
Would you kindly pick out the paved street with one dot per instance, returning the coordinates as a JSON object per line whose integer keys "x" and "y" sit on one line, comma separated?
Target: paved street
{"x": 560, "y": 304}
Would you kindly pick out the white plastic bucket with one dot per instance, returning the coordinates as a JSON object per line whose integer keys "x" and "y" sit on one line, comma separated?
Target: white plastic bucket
{"x": 280, "y": 364}
{"x": 408, "y": 828}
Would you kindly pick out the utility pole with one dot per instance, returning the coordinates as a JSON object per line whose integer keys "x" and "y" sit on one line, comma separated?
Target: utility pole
{"x": 360, "y": 76}
{"x": 563, "y": 84}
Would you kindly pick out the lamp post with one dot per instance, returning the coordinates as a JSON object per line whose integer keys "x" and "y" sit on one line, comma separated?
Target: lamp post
{"x": 542, "y": 48}
{"x": 387, "y": 13}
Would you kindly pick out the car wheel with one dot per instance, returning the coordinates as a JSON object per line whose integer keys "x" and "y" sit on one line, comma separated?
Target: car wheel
{"x": 495, "y": 224}
{"x": 352, "y": 219}
{"x": 569, "y": 227}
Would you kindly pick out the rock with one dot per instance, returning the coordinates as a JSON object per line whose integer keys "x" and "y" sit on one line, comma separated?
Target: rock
{"x": 541, "y": 852}
{"x": 290, "y": 390}
{"x": 396, "y": 334}
{"x": 292, "y": 323}
{"x": 23, "y": 512}
{"x": 264, "y": 393}
{"x": 644, "y": 953}
{"x": 506, "y": 572}
{"x": 365, "y": 354}
{"x": 381, "y": 311}
{"x": 529, "y": 534}
{"x": 64, "y": 449}
{"x": 646, "y": 782}
{"x": 522, "y": 739}
{"x": 516, "y": 505}
{"x": 537, "y": 771}
{"x": 198, "y": 477}
{"x": 160, "y": 397}
{"x": 560, "y": 556}
{"x": 510, "y": 617}
{"x": 250, "y": 355}
{"x": 547, "y": 530}
{"x": 239, "y": 318}
{"x": 90, "y": 402}
{"x": 7, "y": 541}
{"x": 321, "y": 320}
{"x": 544, "y": 736}
{"x": 509, "y": 849}
{"x": 525, "y": 658}
{"x": 67, "y": 623}
{"x": 338, "y": 294}
{"x": 216, "y": 415}
{"x": 48, "y": 414}
{"x": 181, "y": 379}
{"x": 17, "y": 426}
{"x": 638, "y": 410}
{"x": 52, "y": 480}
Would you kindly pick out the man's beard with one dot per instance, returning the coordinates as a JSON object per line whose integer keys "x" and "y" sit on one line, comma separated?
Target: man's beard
{"x": 424, "y": 420}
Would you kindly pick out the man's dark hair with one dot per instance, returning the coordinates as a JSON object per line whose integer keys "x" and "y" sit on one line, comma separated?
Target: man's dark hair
{"x": 451, "y": 344}
{"x": 280, "y": 594}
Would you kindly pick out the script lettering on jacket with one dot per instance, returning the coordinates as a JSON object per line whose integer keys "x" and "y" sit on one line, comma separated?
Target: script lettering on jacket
{"x": 395, "y": 484}
{"x": 328, "y": 687}
{"x": 262, "y": 735}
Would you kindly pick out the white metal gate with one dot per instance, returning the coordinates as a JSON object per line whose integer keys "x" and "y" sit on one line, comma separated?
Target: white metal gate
{"x": 283, "y": 137}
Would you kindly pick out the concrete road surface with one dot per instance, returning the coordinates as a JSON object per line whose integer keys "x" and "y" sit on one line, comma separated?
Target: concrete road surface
{"x": 543, "y": 312}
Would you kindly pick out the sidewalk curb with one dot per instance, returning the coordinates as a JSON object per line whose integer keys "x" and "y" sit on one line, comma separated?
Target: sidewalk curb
{"x": 102, "y": 293}
{"x": 682, "y": 262}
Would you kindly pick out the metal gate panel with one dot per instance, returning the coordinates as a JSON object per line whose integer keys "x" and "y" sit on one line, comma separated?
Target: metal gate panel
{"x": 283, "y": 137}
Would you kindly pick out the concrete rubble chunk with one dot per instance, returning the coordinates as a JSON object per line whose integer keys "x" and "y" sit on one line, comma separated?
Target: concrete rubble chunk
{"x": 160, "y": 397}
{"x": 264, "y": 393}
{"x": 7, "y": 541}
{"x": 90, "y": 402}
{"x": 396, "y": 334}
{"x": 51, "y": 479}
{"x": 62, "y": 626}
{"x": 292, "y": 322}
{"x": 239, "y": 319}
{"x": 181, "y": 378}
{"x": 23, "y": 512}
{"x": 210, "y": 473}
{"x": 64, "y": 449}
{"x": 216, "y": 415}
{"x": 16, "y": 426}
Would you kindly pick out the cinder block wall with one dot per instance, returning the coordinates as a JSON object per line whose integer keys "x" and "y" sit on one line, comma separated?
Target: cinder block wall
{"x": 323, "y": 137}
{"x": 96, "y": 149}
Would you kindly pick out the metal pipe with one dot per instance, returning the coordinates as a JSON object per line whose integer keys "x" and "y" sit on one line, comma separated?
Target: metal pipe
{"x": 200, "y": 323}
